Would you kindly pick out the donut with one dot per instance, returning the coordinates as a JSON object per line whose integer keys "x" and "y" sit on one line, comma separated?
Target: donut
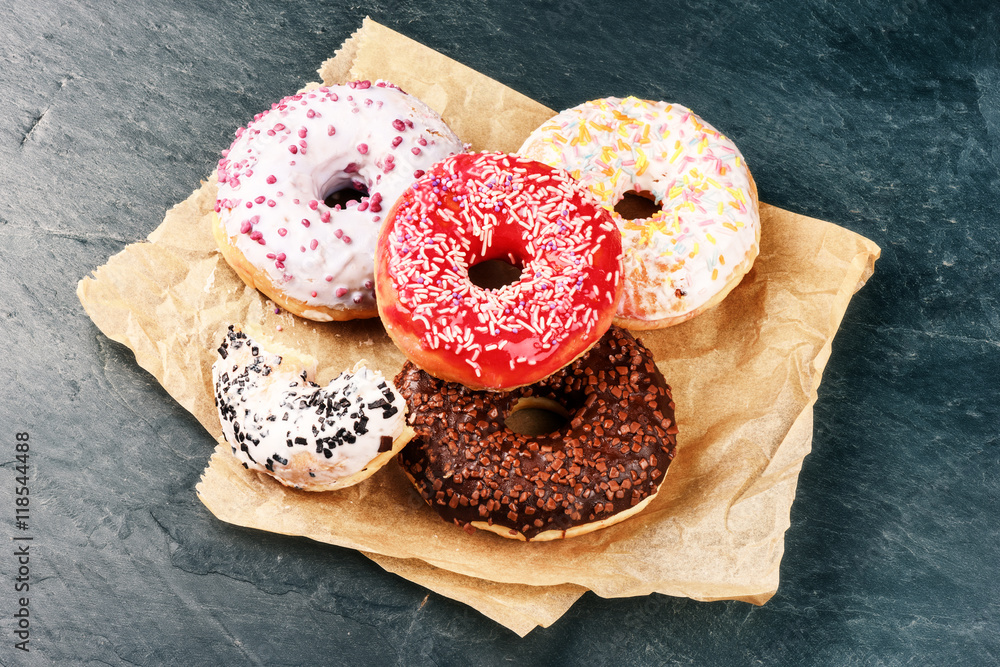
{"x": 474, "y": 208}
{"x": 700, "y": 233}
{"x": 604, "y": 465}
{"x": 272, "y": 223}
{"x": 280, "y": 422}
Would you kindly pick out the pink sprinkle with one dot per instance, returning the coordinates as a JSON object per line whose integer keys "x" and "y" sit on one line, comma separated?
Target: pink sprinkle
{"x": 325, "y": 216}
{"x": 270, "y": 255}
{"x": 293, "y": 149}
{"x": 338, "y": 233}
{"x": 313, "y": 204}
{"x": 358, "y": 298}
{"x": 282, "y": 231}
{"x": 272, "y": 203}
{"x": 397, "y": 141}
{"x": 313, "y": 244}
{"x": 302, "y": 132}
{"x": 363, "y": 206}
{"x": 329, "y": 279}
{"x": 271, "y": 180}
{"x": 259, "y": 200}
{"x": 330, "y": 131}
{"x": 398, "y": 125}
{"x": 389, "y": 166}
{"x": 311, "y": 114}
{"x": 245, "y": 227}
{"x": 422, "y": 141}
{"x": 281, "y": 257}
{"x": 362, "y": 148}
{"x": 279, "y": 127}
{"x": 249, "y": 204}
{"x": 346, "y": 239}
{"x": 375, "y": 207}
{"x": 351, "y": 168}
{"x": 313, "y": 294}
{"x": 415, "y": 150}
{"x": 418, "y": 173}
{"x": 278, "y": 327}
{"x": 369, "y": 284}
{"x": 341, "y": 291}
{"x": 334, "y": 97}
{"x": 305, "y": 222}
{"x": 376, "y": 218}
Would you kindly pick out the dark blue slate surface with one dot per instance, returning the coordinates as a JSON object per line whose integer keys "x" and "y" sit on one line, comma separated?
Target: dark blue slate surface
{"x": 882, "y": 117}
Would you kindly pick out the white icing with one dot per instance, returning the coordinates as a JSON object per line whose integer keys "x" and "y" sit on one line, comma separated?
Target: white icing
{"x": 334, "y": 431}
{"x": 678, "y": 259}
{"x": 334, "y": 258}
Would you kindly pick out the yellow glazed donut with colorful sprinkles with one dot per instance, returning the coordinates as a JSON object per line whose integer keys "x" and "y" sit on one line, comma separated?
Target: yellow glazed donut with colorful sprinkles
{"x": 700, "y": 232}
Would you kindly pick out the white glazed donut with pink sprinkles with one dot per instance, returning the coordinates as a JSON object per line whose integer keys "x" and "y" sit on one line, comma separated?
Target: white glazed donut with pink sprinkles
{"x": 272, "y": 224}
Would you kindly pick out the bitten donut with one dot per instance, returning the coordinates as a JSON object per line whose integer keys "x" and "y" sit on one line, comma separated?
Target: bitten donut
{"x": 472, "y": 208}
{"x": 603, "y": 466}
{"x": 704, "y": 237}
{"x": 272, "y": 224}
{"x": 280, "y": 422}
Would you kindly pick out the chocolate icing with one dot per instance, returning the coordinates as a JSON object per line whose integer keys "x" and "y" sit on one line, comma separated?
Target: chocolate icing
{"x": 612, "y": 453}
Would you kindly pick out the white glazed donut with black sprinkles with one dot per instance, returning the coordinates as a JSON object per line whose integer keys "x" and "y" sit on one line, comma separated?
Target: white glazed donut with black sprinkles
{"x": 272, "y": 224}
{"x": 280, "y": 422}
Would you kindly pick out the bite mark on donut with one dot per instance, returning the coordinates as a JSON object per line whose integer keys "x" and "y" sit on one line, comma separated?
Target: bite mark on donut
{"x": 277, "y": 420}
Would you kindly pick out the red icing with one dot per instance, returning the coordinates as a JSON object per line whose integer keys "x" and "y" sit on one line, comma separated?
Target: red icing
{"x": 472, "y": 208}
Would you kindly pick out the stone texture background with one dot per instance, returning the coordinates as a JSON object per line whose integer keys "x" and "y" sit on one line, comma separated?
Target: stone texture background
{"x": 883, "y": 117}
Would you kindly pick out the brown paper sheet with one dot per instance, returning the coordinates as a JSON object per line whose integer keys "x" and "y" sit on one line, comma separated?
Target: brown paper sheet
{"x": 744, "y": 376}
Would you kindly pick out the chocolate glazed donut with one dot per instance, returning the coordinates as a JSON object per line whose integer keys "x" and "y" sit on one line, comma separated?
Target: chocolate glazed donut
{"x": 605, "y": 464}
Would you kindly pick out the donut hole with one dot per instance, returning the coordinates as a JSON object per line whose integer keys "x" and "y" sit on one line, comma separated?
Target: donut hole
{"x": 352, "y": 191}
{"x": 637, "y": 205}
{"x": 494, "y": 273}
{"x": 534, "y": 416}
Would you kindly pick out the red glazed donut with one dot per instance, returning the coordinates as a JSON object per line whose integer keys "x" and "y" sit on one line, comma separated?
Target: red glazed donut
{"x": 472, "y": 208}
{"x": 604, "y": 465}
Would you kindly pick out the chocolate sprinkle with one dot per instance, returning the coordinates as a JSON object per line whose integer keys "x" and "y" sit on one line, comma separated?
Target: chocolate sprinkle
{"x": 609, "y": 457}
{"x": 303, "y": 417}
